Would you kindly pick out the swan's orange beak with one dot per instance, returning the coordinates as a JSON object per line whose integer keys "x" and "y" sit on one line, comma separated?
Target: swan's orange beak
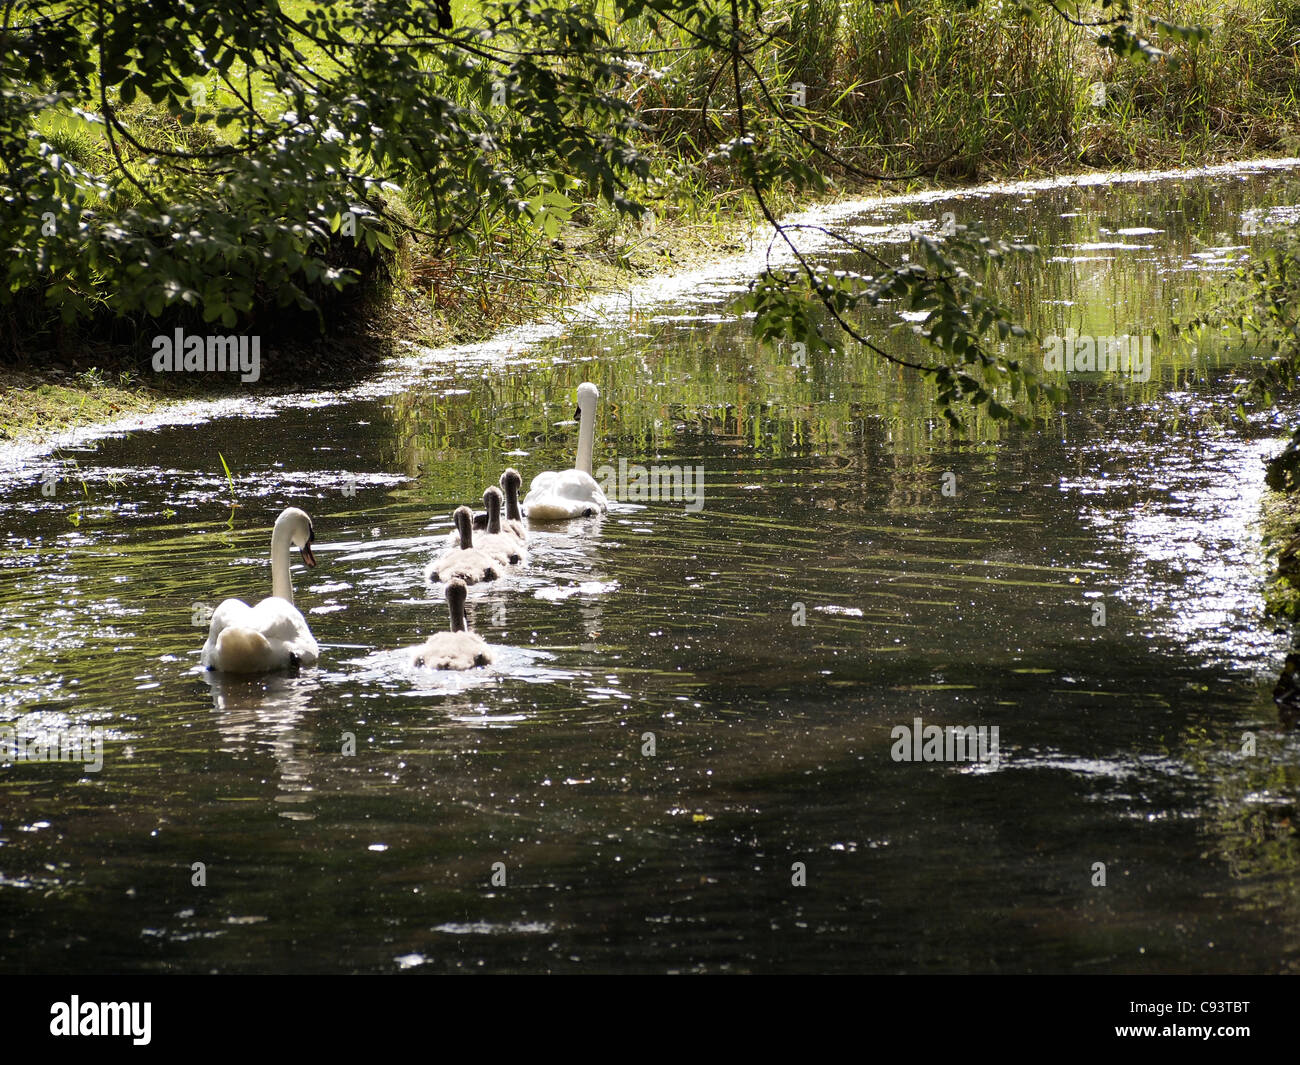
{"x": 307, "y": 556}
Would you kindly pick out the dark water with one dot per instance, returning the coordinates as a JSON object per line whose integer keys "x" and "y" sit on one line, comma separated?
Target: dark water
{"x": 1120, "y": 743}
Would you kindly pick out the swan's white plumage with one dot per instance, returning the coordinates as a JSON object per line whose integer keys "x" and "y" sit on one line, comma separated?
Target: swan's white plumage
{"x": 258, "y": 639}
{"x": 273, "y": 634}
{"x": 560, "y": 495}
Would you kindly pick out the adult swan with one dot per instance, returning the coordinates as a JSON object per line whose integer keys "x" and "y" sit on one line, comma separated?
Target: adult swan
{"x": 570, "y": 493}
{"x": 272, "y": 635}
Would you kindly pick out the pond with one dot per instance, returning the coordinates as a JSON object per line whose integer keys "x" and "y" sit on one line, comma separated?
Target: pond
{"x": 687, "y": 755}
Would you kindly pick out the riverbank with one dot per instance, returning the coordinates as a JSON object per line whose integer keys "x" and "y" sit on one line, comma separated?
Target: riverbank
{"x": 37, "y": 406}
{"x": 958, "y": 97}
{"x": 101, "y": 383}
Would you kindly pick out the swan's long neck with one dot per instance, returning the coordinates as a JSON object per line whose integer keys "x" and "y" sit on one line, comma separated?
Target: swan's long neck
{"x": 494, "y": 515}
{"x": 457, "y": 608}
{"x": 586, "y": 438}
{"x": 281, "y": 584}
{"x": 466, "y": 528}
{"x": 512, "y": 502}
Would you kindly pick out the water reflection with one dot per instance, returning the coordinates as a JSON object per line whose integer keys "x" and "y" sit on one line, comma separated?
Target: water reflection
{"x": 264, "y": 715}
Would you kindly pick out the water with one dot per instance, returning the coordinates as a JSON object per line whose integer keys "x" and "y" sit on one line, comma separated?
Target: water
{"x": 1120, "y": 743}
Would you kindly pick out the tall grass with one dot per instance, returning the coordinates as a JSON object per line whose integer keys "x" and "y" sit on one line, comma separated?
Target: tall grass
{"x": 991, "y": 91}
{"x": 916, "y": 86}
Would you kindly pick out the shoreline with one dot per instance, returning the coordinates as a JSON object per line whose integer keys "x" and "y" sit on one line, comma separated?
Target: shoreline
{"x": 388, "y": 375}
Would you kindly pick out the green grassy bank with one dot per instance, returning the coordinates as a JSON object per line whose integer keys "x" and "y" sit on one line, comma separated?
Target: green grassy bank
{"x": 922, "y": 93}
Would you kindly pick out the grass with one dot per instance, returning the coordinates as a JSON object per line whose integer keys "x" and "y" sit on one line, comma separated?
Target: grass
{"x": 1010, "y": 96}
{"x": 35, "y": 407}
{"x": 888, "y": 87}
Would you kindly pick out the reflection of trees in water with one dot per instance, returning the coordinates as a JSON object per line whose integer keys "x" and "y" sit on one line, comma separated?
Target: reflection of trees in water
{"x": 592, "y": 611}
{"x": 1251, "y": 818}
{"x": 461, "y": 442}
{"x": 687, "y": 385}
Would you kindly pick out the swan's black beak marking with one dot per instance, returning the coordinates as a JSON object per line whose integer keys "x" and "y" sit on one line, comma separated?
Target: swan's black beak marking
{"x": 307, "y": 556}
{"x": 577, "y": 415}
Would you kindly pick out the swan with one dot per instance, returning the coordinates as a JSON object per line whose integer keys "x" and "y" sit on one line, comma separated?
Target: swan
{"x": 274, "y": 634}
{"x": 495, "y": 541}
{"x": 570, "y": 493}
{"x": 513, "y": 523}
{"x": 457, "y": 649}
{"x": 512, "y": 528}
{"x": 465, "y": 561}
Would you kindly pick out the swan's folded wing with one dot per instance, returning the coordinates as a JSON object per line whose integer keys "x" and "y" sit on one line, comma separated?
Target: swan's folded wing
{"x": 282, "y": 623}
{"x": 583, "y": 487}
{"x": 241, "y": 650}
{"x": 541, "y": 483}
{"x": 539, "y": 489}
{"x": 567, "y": 494}
{"x": 230, "y": 613}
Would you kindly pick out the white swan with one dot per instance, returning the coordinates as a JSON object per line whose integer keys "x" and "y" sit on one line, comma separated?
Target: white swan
{"x": 495, "y": 541}
{"x": 570, "y": 493}
{"x": 272, "y": 635}
{"x": 464, "y": 562}
{"x": 457, "y": 649}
